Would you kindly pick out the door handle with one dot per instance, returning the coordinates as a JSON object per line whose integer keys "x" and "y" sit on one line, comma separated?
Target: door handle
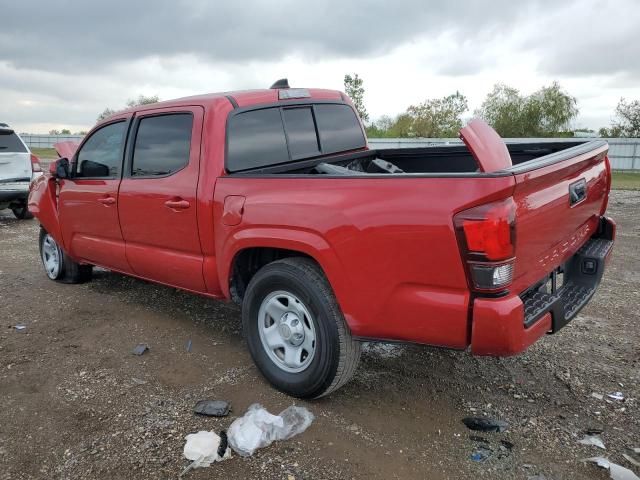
{"x": 107, "y": 200}
{"x": 177, "y": 204}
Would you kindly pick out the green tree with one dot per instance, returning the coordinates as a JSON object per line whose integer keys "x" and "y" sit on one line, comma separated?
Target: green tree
{"x": 438, "y": 117}
{"x": 65, "y": 131}
{"x": 353, "y": 87}
{"x": 132, "y": 102}
{"x": 626, "y": 122}
{"x": 545, "y": 113}
{"x": 54, "y": 132}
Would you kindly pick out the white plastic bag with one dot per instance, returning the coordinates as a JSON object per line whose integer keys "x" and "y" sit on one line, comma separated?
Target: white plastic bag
{"x": 202, "y": 449}
{"x": 259, "y": 428}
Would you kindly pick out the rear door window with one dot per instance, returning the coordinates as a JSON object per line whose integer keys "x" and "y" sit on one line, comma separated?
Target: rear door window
{"x": 10, "y": 143}
{"x": 339, "y": 128}
{"x": 101, "y": 155}
{"x": 256, "y": 139}
{"x": 162, "y": 145}
{"x": 301, "y": 132}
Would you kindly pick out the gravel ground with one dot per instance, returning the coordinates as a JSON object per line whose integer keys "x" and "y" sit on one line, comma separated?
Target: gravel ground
{"x": 77, "y": 404}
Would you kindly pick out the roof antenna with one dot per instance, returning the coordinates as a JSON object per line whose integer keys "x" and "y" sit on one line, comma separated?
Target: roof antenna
{"x": 282, "y": 83}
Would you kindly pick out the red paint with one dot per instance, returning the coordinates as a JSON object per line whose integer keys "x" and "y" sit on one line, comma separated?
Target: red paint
{"x": 388, "y": 246}
{"x": 486, "y": 146}
{"x": 66, "y": 149}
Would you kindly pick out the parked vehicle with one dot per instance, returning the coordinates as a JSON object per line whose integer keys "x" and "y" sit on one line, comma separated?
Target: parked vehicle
{"x": 272, "y": 198}
{"x": 18, "y": 166}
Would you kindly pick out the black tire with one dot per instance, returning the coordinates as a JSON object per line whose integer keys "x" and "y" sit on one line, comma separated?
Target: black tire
{"x": 336, "y": 353}
{"x": 22, "y": 212}
{"x": 69, "y": 271}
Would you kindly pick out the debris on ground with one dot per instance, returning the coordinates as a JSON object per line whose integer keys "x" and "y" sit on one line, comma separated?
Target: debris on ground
{"x": 481, "y": 454}
{"x": 537, "y": 477}
{"x": 21, "y": 327}
{"x": 594, "y": 431}
{"x": 592, "y": 440}
{"x": 616, "y": 472}
{"x": 204, "y": 448}
{"x": 483, "y": 424}
{"x": 616, "y": 396}
{"x": 189, "y": 345}
{"x": 140, "y": 349}
{"x": 258, "y": 428}
{"x": 631, "y": 460}
{"x": 597, "y": 396}
{"x": 212, "y": 408}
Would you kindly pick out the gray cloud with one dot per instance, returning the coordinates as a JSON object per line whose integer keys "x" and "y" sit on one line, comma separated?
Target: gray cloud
{"x": 82, "y": 35}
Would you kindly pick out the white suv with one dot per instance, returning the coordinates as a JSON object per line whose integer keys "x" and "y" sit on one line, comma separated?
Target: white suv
{"x": 18, "y": 166}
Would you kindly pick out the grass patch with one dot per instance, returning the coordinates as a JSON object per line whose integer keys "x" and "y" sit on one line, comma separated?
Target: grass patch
{"x": 625, "y": 180}
{"x": 44, "y": 152}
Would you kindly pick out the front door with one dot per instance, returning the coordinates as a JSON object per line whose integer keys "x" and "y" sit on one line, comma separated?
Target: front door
{"x": 157, "y": 201}
{"x": 88, "y": 201}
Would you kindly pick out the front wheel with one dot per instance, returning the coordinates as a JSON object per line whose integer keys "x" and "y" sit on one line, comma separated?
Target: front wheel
{"x": 57, "y": 265}
{"x": 295, "y": 330}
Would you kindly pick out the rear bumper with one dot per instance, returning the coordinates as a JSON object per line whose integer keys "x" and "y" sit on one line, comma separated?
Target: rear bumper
{"x": 14, "y": 191}
{"x": 508, "y": 325}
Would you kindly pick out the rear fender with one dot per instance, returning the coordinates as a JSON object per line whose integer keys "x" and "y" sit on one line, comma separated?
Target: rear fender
{"x": 309, "y": 243}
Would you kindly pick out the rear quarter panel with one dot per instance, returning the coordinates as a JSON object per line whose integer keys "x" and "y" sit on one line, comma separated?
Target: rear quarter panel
{"x": 387, "y": 245}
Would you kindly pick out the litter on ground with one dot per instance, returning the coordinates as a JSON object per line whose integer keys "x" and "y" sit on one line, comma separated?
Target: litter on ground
{"x": 204, "y": 448}
{"x": 483, "y": 424}
{"x": 592, "y": 440}
{"x": 212, "y": 408}
{"x": 258, "y": 428}
{"x": 140, "y": 349}
{"x": 616, "y": 472}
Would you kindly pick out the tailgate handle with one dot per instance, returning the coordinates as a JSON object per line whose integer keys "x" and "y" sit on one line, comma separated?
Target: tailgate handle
{"x": 577, "y": 191}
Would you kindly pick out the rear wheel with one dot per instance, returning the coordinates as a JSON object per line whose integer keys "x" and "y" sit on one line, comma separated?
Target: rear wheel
{"x": 57, "y": 265}
{"x": 22, "y": 212}
{"x": 295, "y": 330}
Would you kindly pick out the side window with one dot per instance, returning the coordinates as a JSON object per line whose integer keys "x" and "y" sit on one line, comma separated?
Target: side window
{"x": 339, "y": 128}
{"x": 101, "y": 154}
{"x": 256, "y": 139}
{"x": 162, "y": 145}
{"x": 301, "y": 132}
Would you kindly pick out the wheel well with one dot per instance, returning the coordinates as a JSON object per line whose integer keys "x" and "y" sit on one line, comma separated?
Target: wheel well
{"x": 247, "y": 262}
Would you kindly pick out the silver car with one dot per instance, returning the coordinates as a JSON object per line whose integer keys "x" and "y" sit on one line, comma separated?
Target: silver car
{"x": 18, "y": 166}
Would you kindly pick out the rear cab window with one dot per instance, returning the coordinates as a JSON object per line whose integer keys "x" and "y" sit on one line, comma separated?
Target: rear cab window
{"x": 275, "y": 135}
{"x": 10, "y": 142}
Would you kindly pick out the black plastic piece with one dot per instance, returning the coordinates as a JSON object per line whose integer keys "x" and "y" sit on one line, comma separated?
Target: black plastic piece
{"x": 579, "y": 286}
{"x": 378, "y": 165}
{"x": 282, "y": 83}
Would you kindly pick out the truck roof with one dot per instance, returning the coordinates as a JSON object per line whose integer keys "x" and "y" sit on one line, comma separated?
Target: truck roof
{"x": 242, "y": 98}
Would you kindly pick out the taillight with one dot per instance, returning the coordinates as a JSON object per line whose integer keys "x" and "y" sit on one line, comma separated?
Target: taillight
{"x": 487, "y": 235}
{"x": 35, "y": 164}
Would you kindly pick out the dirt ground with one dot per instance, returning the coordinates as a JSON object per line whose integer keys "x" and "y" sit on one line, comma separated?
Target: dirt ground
{"x": 77, "y": 404}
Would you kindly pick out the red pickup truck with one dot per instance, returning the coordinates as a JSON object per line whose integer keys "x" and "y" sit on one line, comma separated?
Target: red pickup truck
{"x": 273, "y": 199}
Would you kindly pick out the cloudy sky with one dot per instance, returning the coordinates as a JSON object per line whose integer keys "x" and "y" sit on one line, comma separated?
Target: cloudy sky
{"x": 63, "y": 62}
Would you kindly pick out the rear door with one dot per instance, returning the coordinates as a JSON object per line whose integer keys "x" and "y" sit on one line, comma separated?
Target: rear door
{"x": 88, "y": 205}
{"x": 15, "y": 159}
{"x": 157, "y": 199}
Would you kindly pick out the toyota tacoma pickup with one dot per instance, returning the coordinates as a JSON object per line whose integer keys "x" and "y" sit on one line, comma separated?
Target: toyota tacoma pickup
{"x": 273, "y": 199}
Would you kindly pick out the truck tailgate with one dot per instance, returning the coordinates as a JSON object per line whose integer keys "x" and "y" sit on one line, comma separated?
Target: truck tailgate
{"x": 559, "y": 198}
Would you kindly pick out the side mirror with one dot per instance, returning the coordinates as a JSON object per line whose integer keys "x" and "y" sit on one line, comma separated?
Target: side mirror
{"x": 59, "y": 168}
